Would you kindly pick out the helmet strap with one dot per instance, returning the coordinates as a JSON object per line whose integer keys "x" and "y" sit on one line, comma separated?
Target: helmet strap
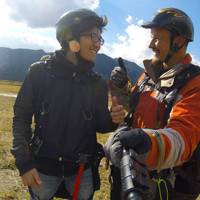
{"x": 171, "y": 52}
{"x": 173, "y": 49}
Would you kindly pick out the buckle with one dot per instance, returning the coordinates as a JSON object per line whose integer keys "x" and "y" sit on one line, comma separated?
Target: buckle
{"x": 83, "y": 158}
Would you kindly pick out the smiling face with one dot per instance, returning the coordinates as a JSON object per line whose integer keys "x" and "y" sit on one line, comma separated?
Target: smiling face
{"x": 160, "y": 44}
{"x": 88, "y": 48}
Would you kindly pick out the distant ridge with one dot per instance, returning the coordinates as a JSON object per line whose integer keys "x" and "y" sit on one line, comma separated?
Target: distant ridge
{"x": 14, "y": 64}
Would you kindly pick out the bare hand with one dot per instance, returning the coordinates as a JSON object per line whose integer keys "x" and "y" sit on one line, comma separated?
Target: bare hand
{"x": 117, "y": 112}
{"x": 32, "y": 179}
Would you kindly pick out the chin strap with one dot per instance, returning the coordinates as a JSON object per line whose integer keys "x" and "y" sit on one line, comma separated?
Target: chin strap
{"x": 173, "y": 49}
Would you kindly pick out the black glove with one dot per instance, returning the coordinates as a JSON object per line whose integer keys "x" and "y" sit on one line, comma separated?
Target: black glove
{"x": 119, "y": 74}
{"x": 136, "y": 139}
{"x": 113, "y": 147}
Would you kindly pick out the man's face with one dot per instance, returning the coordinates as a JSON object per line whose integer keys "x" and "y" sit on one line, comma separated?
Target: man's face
{"x": 88, "y": 48}
{"x": 160, "y": 44}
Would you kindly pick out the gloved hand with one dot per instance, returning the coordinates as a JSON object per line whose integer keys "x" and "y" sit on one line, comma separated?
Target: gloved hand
{"x": 136, "y": 139}
{"x": 113, "y": 147}
{"x": 119, "y": 74}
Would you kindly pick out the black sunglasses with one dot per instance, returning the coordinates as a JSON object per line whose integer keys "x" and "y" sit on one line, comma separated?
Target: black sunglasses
{"x": 94, "y": 37}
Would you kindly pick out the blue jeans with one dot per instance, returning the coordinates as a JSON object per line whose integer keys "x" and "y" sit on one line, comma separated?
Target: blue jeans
{"x": 50, "y": 184}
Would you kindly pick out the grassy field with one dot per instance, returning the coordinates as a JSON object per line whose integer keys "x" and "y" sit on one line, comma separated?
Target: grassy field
{"x": 11, "y": 186}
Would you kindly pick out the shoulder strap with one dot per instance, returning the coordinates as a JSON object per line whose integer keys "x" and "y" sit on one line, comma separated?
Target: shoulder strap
{"x": 180, "y": 81}
{"x": 46, "y": 104}
{"x": 134, "y": 99}
{"x": 35, "y": 139}
{"x": 185, "y": 76}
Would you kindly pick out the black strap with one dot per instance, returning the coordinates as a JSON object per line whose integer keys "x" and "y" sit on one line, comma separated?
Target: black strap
{"x": 46, "y": 104}
{"x": 87, "y": 113}
{"x": 134, "y": 99}
{"x": 47, "y": 87}
{"x": 181, "y": 80}
{"x": 33, "y": 196}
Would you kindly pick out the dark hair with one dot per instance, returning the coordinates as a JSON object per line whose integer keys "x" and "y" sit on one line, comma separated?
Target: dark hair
{"x": 86, "y": 24}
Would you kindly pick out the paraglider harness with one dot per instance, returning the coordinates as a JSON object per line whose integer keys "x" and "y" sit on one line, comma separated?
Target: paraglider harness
{"x": 187, "y": 176}
{"x": 82, "y": 159}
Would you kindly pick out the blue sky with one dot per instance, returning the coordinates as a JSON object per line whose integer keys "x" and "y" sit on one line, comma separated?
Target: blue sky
{"x": 31, "y": 24}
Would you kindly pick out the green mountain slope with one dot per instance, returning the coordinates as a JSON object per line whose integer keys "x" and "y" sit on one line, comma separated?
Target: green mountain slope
{"x": 14, "y": 64}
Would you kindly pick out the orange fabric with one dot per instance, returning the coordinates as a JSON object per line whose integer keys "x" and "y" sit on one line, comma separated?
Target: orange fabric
{"x": 186, "y": 60}
{"x": 182, "y": 133}
{"x": 184, "y": 120}
{"x": 142, "y": 77}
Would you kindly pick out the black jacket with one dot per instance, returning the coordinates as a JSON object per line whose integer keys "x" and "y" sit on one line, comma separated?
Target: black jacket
{"x": 76, "y": 95}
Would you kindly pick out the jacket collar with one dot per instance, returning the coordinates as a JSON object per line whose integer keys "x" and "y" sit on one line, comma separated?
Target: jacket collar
{"x": 64, "y": 63}
{"x": 166, "y": 79}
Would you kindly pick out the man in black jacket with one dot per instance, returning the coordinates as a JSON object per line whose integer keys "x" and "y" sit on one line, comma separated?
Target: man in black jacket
{"x": 69, "y": 103}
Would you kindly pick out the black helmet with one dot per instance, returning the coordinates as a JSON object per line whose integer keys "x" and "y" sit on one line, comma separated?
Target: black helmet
{"x": 172, "y": 18}
{"x": 70, "y": 18}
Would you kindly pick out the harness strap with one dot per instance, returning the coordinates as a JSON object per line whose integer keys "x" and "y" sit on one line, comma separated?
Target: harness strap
{"x": 191, "y": 180}
{"x": 87, "y": 114}
{"x": 47, "y": 91}
{"x": 46, "y": 105}
{"x": 134, "y": 99}
{"x": 33, "y": 196}
{"x": 84, "y": 158}
{"x": 78, "y": 181}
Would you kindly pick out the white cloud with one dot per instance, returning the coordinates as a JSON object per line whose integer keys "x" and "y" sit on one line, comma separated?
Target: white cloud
{"x": 105, "y": 49}
{"x": 45, "y": 13}
{"x": 30, "y": 41}
{"x": 129, "y": 19}
{"x": 32, "y": 25}
{"x": 140, "y": 22}
{"x": 133, "y": 46}
{"x": 4, "y": 11}
{"x": 95, "y": 3}
{"x": 121, "y": 38}
{"x": 195, "y": 60}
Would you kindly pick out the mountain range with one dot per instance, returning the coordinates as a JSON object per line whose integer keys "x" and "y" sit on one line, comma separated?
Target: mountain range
{"x": 14, "y": 64}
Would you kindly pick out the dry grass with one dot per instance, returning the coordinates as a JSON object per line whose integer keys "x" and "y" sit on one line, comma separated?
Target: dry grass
{"x": 11, "y": 186}
{"x": 9, "y": 87}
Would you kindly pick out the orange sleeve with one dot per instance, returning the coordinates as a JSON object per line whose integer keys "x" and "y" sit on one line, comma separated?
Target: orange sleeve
{"x": 182, "y": 133}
